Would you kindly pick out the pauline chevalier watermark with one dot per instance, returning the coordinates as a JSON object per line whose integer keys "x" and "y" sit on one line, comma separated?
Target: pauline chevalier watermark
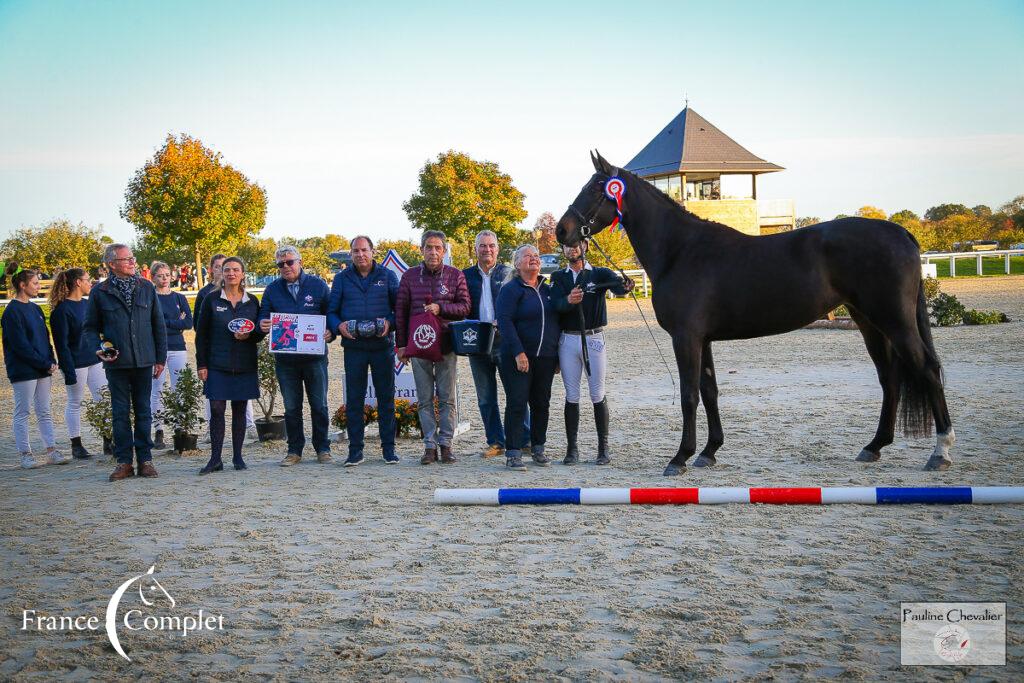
{"x": 952, "y": 633}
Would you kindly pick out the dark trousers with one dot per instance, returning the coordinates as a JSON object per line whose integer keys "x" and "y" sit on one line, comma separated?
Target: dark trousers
{"x": 129, "y": 391}
{"x": 381, "y": 364}
{"x": 292, "y": 376}
{"x": 217, "y": 410}
{"x": 485, "y": 369}
{"x": 532, "y": 387}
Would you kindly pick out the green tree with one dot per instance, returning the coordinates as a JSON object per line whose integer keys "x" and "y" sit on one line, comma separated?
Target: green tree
{"x": 904, "y": 215}
{"x": 186, "y": 197}
{"x": 982, "y": 211}
{"x": 937, "y": 213}
{"x": 316, "y": 252}
{"x": 806, "y": 221}
{"x": 55, "y": 245}
{"x": 409, "y": 251}
{"x": 258, "y": 254}
{"x": 871, "y": 212}
{"x": 460, "y": 197}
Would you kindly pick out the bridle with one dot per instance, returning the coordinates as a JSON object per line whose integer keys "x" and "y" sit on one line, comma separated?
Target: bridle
{"x": 586, "y": 225}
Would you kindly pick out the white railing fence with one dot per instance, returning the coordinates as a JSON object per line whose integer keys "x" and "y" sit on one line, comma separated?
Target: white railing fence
{"x": 1005, "y": 254}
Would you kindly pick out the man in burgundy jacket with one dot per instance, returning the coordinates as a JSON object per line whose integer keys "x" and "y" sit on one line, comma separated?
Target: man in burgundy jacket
{"x": 445, "y": 288}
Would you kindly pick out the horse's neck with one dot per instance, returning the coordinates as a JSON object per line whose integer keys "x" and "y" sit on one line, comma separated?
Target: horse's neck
{"x": 656, "y": 232}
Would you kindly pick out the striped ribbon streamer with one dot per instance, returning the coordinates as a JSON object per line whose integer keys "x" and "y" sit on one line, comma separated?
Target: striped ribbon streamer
{"x": 932, "y": 495}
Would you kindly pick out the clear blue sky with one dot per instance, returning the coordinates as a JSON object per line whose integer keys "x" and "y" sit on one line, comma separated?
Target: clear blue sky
{"x": 334, "y": 107}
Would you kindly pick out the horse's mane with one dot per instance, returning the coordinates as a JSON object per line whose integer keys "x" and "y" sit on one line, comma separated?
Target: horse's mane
{"x": 636, "y": 182}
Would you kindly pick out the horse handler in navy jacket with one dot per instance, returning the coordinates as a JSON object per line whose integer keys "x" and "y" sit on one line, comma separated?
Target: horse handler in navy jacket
{"x": 366, "y": 292}
{"x": 296, "y": 291}
{"x": 123, "y": 310}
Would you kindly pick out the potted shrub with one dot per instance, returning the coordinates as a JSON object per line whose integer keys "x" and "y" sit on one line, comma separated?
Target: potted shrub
{"x": 182, "y": 410}
{"x": 99, "y": 416}
{"x": 270, "y": 427}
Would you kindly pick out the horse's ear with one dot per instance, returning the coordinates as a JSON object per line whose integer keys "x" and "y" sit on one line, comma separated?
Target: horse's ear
{"x": 602, "y": 165}
{"x": 597, "y": 164}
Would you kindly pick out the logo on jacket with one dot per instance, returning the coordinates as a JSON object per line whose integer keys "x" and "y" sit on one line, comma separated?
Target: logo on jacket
{"x": 443, "y": 291}
{"x": 379, "y": 283}
{"x": 309, "y": 297}
{"x": 469, "y": 336}
{"x": 424, "y": 336}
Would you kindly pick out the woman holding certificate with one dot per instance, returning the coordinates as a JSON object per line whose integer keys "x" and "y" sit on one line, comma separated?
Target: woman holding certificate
{"x": 226, "y": 353}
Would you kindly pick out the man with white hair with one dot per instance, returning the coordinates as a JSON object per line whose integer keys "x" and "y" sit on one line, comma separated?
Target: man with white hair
{"x": 124, "y": 313}
{"x": 296, "y": 291}
{"x": 484, "y": 279}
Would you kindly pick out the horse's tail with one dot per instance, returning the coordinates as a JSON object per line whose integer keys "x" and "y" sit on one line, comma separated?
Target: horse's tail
{"x": 916, "y": 410}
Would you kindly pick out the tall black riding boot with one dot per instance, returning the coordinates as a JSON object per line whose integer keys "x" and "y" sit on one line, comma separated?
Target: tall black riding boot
{"x": 158, "y": 441}
{"x": 108, "y": 446}
{"x": 601, "y": 420}
{"x": 572, "y": 428}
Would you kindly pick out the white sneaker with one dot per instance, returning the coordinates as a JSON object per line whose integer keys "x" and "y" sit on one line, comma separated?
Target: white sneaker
{"x": 206, "y": 439}
{"x": 29, "y": 462}
{"x": 55, "y": 457}
{"x": 250, "y": 434}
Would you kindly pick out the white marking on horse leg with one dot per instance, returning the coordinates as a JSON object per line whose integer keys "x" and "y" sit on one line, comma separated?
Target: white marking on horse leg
{"x": 940, "y": 457}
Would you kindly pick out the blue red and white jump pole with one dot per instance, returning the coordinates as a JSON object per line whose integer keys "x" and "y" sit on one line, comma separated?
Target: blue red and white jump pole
{"x": 932, "y": 495}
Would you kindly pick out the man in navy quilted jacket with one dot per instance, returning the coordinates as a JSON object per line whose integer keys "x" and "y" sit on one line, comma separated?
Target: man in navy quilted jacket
{"x": 362, "y": 312}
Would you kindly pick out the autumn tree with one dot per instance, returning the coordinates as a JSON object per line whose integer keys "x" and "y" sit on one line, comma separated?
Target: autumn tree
{"x": 461, "y": 196}
{"x": 55, "y": 245}
{"x": 617, "y": 245}
{"x": 186, "y": 197}
{"x": 871, "y": 212}
{"x": 544, "y": 231}
{"x": 807, "y": 221}
{"x": 958, "y": 228}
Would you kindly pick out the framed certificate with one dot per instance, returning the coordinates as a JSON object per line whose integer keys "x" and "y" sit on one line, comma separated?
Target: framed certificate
{"x": 297, "y": 333}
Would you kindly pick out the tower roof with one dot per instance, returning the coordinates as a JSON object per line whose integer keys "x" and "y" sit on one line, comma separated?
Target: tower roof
{"x": 690, "y": 143}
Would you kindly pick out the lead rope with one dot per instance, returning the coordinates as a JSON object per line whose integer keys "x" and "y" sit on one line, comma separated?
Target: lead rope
{"x": 632, "y": 293}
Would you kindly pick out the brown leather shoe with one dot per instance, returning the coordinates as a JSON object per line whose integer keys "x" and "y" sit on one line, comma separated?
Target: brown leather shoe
{"x": 446, "y": 455}
{"x": 429, "y": 456}
{"x": 146, "y": 469}
{"x": 493, "y": 451}
{"x": 122, "y": 472}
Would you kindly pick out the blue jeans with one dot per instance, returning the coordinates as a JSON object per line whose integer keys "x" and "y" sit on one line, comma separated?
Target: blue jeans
{"x": 292, "y": 375}
{"x": 129, "y": 390}
{"x": 484, "y": 368}
{"x": 381, "y": 364}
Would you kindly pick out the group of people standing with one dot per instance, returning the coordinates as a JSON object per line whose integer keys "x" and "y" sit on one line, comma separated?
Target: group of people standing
{"x": 129, "y": 336}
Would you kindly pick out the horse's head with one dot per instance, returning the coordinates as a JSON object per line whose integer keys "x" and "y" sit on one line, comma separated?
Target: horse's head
{"x": 593, "y": 210}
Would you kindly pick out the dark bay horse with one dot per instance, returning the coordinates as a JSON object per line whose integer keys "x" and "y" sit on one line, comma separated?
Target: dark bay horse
{"x": 713, "y": 283}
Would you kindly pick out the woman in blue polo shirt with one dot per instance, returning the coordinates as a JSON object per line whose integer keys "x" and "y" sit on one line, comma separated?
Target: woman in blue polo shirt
{"x": 78, "y": 361}
{"x": 29, "y": 360}
{"x": 227, "y": 359}
{"x": 177, "y": 318}
{"x": 528, "y": 324}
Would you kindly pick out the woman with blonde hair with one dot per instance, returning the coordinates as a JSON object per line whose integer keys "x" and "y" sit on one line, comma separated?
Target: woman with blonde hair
{"x": 77, "y": 361}
{"x": 30, "y": 364}
{"x": 177, "y": 318}
{"x": 529, "y": 330}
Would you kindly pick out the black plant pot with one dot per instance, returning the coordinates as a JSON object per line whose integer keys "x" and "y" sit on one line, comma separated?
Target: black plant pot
{"x": 185, "y": 442}
{"x": 271, "y": 429}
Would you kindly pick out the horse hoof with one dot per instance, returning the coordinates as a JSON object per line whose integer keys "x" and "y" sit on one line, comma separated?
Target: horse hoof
{"x": 938, "y": 464}
{"x": 868, "y": 456}
{"x": 674, "y": 470}
{"x": 705, "y": 461}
